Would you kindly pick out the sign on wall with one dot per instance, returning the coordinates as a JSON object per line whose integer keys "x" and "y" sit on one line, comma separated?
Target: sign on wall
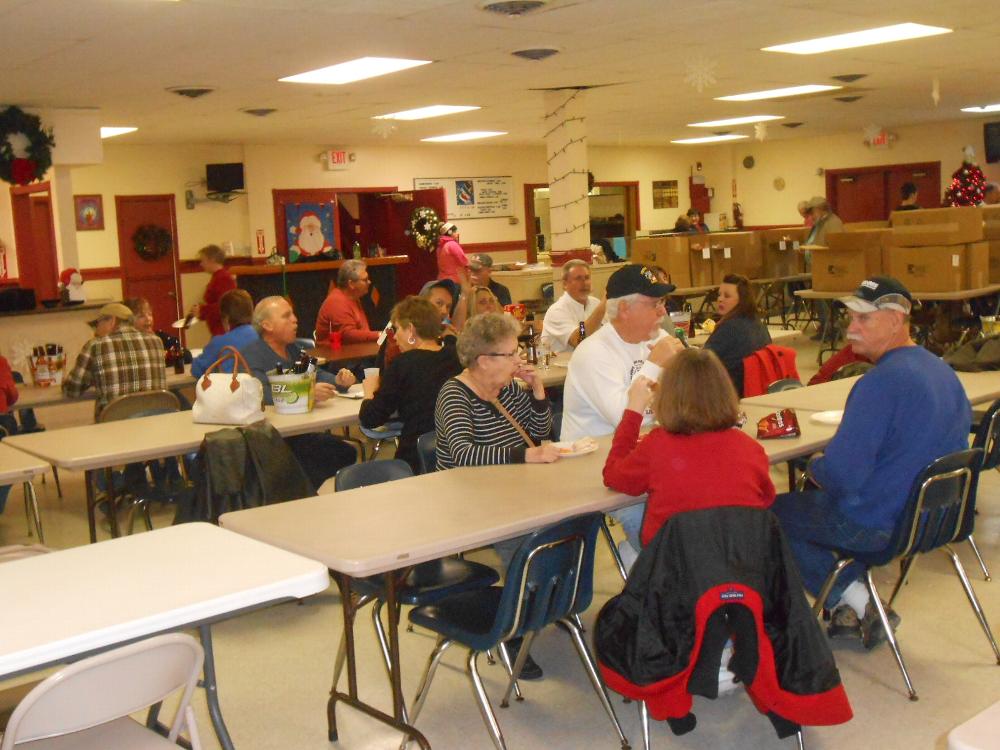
{"x": 472, "y": 197}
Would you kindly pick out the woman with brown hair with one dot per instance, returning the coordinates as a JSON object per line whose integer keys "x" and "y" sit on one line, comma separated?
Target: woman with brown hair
{"x": 738, "y": 333}
{"x": 695, "y": 458}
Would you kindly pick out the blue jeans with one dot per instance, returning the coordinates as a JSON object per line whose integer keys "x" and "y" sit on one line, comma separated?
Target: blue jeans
{"x": 630, "y": 517}
{"x": 813, "y": 524}
{"x": 4, "y": 491}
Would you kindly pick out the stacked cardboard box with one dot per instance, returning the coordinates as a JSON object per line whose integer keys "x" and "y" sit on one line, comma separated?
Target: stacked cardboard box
{"x": 939, "y": 249}
{"x": 991, "y": 231}
{"x": 670, "y": 253}
{"x": 715, "y": 256}
{"x": 780, "y": 251}
{"x": 850, "y": 258}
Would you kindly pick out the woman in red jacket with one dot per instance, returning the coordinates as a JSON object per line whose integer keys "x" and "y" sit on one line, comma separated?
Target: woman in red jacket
{"x": 213, "y": 261}
{"x": 696, "y": 458}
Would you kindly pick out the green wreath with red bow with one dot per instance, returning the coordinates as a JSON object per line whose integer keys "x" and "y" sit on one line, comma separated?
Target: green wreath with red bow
{"x": 152, "y": 242}
{"x": 25, "y": 147}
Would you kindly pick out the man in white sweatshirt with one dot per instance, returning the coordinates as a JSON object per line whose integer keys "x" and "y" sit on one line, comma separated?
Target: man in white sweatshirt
{"x": 604, "y": 365}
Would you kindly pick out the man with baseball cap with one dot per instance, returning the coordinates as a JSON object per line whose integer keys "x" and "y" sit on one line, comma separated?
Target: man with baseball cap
{"x": 481, "y": 269}
{"x": 118, "y": 360}
{"x": 603, "y": 366}
{"x": 907, "y": 411}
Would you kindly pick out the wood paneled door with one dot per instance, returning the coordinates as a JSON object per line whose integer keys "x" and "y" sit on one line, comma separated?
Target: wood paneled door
{"x": 871, "y": 193}
{"x": 35, "y": 240}
{"x": 156, "y": 280}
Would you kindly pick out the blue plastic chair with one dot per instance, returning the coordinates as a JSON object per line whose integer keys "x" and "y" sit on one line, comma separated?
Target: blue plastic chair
{"x": 550, "y": 580}
{"x": 988, "y": 439}
{"x": 427, "y": 452}
{"x": 941, "y": 501}
{"x": 388, "y": 431}
{"x": 423, "y": 584}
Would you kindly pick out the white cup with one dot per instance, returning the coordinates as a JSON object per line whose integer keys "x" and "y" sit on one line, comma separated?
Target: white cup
{"x": 371, "y": 372}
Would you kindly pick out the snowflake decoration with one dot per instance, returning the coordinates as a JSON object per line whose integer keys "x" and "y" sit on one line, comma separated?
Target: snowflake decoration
{"x": 700, "y": 73}
{"x": 20, "y": 354}
{"x": 384, "y": 128}
{"x": 760, "y": 131}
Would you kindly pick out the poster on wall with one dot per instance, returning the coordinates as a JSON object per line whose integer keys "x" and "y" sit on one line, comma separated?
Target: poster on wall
{"x": 309, "y": 231}
{"x": 472, "y": 197}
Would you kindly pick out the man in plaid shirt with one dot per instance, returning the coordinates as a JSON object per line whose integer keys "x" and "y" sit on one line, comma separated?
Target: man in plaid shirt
{"x": 120, "y": 362}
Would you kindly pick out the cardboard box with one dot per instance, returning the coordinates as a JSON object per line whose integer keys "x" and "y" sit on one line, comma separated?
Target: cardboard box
{"x": 994, "y": 261}
{"x": 937, "y": 226}
{"x": 991, "y": 222}
{"x": 734, "y": 252}
{"x": 864, "y": 226}
{"x": 671, "y": 253}
{"x": 700, "y": 257}
{"x": 850, "y": 258}
{"x": 780, "y": 254}
{"x": 941, "y": 268}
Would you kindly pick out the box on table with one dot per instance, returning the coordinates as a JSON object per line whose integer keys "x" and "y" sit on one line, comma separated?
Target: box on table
{"x": 850, "y": 258}
{"x": 735, "y": 252}
{"x": 864, "y": 226}
{"x": 671, "y": 253}
{"x": 937, "y": 226}
{"x": 941, "y": 268}
{"x": 700, "y": 258}
{"x": 991, "y": 222}
{"x": 779, "y": 248}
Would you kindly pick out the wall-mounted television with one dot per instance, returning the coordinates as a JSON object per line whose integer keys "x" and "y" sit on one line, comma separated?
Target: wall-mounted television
{"x": 224, "y": 178}
{"x": 991, "y": 136}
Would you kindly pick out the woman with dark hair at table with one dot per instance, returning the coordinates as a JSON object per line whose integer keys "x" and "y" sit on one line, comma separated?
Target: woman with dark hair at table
{"x": 446, "y": 296}
{"x": 739, "y": 333}
{"x": 407, "y": 389}
{"x": 236, "y": 310}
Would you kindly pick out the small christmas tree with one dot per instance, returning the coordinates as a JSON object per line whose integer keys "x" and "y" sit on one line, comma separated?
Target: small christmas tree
{"x": 967, "y": 183}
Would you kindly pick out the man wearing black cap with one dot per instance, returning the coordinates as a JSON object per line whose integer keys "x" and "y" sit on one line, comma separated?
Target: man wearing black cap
{"x": 481, "y": 268}
{"x": 909, "y": 410}
{"x": 604, "y": 365}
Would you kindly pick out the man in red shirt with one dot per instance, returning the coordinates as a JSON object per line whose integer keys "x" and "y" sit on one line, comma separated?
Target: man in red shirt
{"x": 341, "y": 310}
{"x": 212, "y": 259}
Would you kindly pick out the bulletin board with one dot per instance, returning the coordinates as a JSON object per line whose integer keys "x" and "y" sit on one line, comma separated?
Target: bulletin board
{"x": 472, "y": 197}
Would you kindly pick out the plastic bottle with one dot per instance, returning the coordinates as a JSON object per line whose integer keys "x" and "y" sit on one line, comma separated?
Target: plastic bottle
{"x": 356, "y": 250}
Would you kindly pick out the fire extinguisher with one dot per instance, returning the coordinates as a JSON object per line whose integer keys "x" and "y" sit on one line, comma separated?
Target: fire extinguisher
{"x": 738, "y": 215}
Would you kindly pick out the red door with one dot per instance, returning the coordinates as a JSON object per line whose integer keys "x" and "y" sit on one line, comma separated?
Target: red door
{"x": 927, "y": 178}
{"x": 860, "y": 197}
{"x": 157, "y": 279}
{"x": 392, "y": 222}
{"x": 35, "y": 240}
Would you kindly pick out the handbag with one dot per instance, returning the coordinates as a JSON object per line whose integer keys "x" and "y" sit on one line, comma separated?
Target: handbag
{"x": 224, "y": 398}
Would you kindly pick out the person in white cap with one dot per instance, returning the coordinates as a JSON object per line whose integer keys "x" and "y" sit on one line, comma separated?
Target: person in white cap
{"x": 121, "y": 361}
{"x": 451, "y": 259}
{"x": 907, "y": 411}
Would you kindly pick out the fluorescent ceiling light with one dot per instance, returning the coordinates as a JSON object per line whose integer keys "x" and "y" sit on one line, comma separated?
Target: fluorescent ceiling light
{"x": 422, "y": 113}
{"x": 883, "y": 35}
{"x": 987, "y": 108}
{"x": 712, "y": 138}
{"x": 355, "y": 70}
{"x": 469, "y": 136}
{"x": 111, "y": 132}
{"x": 811, "y": 88}
{"x": 735, "y": 121}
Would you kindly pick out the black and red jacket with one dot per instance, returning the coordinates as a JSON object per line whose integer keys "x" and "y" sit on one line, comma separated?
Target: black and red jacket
{"x": 708, "y": 576}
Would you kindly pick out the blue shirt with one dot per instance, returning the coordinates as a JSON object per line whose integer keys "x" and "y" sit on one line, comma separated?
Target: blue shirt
{"x": 238, "y": 337}
{"x": 262, "y": 358}
{"x": 907, "y": 411}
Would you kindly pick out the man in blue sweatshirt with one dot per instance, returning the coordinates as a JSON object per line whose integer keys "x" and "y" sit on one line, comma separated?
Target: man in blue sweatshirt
{"x": 909, "y": 410}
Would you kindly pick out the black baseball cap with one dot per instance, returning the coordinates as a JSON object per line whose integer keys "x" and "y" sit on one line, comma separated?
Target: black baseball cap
{"x": 880, "y": 293}
{"x": 633, "y": 279}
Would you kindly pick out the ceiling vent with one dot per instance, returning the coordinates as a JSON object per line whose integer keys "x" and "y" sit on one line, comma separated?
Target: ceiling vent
{"x": 259, "y": 111}
{"x": 191, "y": 92}
{"x": 848, "y": 99}
{"x": 537, "y": 53}
{"x": 791, "y": 124}
{"x": 513, "y": 8}
{"x": 850, "y": 78}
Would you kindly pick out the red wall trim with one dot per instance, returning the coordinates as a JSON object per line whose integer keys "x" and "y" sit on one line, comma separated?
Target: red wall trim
{"x": 100, "y": 274}
{"x": 472, "y": 248}
{"x": 753, "y": 227}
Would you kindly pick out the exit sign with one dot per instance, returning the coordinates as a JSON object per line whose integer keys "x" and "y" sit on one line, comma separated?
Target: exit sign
{"x": 337, "y": 160}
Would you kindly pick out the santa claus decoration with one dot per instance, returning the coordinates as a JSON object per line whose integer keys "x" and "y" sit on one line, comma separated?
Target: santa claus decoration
{"x": 71, "y": 286}
{"x": 310, "y": 241}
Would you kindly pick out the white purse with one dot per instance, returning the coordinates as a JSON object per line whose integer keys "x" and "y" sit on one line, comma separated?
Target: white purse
{"x": 224, "y": 398}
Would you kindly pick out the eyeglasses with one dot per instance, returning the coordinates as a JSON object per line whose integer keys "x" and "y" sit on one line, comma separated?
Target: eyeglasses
{"x": 509, "y": 355}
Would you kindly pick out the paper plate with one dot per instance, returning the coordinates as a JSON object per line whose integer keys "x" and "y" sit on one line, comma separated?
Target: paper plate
{"x": 566, "y": 449}
{"x": 827, "y": 417}
{"x": 179, "y": 323}
{"x": 356, "y": 391}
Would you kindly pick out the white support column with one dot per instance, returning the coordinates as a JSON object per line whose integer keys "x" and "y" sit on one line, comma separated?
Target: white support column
{"x": 566, "y": 154}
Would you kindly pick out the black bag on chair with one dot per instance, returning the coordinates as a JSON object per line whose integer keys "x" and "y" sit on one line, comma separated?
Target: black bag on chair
{"x": 242, "y": 467}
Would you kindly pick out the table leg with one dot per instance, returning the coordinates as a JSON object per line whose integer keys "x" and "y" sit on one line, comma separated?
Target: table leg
{"x": 30, "y": 498}
{"x": 396, "y": 721}
{"x": 109, "y": 478}
{"x": 212, "y": 689}
{"x": 88, "y": 479}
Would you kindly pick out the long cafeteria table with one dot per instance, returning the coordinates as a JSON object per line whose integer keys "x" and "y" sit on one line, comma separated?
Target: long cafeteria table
{"x": 64, "y": 606}
{"x": 385, "y": 529}
{"x": 35, "y": 397}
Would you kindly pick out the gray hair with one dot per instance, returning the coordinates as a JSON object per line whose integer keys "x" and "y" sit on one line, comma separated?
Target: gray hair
{"x": 350, "y": 271}
{"x": 571, "y": 264}
{"x": 262, "y": 312}
{"x": 990, "y": 187}
{"x": 611, "y": 309}
{"x": 482, "y": 333}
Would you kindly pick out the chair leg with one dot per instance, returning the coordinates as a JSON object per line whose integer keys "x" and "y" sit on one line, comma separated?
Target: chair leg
{"x": 799, "y": 740}
{"x": 55, "y": 475}
{"x": 644, "y": 721}
{"x": 828, "y": 585}
{"x": 904, "y": 573}
{"x": 877, "y": 603}
{"x": 31, "y": 499}
{"x": 514, "y": 670}
{"x": 614, "y": 549}
{"x": 595, "y": 679}
{"x": 973, "y": 599}
{"x": 425, "y": 683}
{"x": 483, "y": 701}
{"x": 982, "y": 562}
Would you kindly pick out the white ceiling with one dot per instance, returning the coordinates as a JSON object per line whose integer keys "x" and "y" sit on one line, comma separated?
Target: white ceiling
{"x": 121, "y": 55}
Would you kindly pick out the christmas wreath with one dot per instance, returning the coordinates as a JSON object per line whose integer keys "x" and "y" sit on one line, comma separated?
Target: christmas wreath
{"x": 152, "y": 242}
{"x": 424, "y": 228}
{"x": 25, "y": 147}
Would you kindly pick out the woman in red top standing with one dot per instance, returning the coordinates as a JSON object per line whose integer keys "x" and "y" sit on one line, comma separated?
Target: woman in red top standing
{"x": 696, "y": 458}
{"x": 451, "y": 259}
{"x": 213, "y": 259}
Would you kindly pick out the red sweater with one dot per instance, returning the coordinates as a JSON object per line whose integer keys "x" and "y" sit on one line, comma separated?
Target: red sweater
{"x": 341, "y": 313}
{"x": 686, "y": 472}
{"x": 8, "y": 390}
{"x": 220, "y": 283}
